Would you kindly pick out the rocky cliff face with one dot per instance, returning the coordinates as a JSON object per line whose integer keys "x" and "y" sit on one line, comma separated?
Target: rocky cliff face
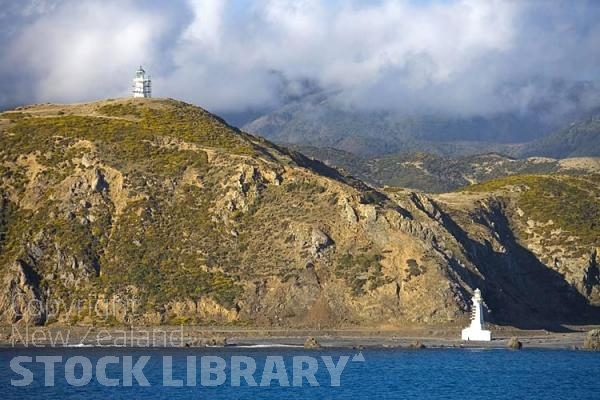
{"x": 531, "y": 268}
{"x": 154, "y": 211}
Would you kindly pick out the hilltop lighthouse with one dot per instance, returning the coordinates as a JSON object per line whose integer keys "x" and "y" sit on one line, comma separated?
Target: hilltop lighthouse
{"x": 475, "y": 331}
{"x": 142, "y": 84}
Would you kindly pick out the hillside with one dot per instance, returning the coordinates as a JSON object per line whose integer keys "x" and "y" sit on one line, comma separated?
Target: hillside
{"x": 433, "y": 173}
{"x": 160, "y": 204}
{"x": 581, "y": 138}
{"x": 319, "y": 121}
{"x": 543, "y": 230}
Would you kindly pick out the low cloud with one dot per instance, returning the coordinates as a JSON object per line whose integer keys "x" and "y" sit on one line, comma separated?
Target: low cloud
{"x": 463, "y": 57}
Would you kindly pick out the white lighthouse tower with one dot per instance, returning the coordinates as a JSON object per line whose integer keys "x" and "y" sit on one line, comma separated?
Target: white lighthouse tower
{"x": 475, "y": 331}
{"x": 142, "y": 84}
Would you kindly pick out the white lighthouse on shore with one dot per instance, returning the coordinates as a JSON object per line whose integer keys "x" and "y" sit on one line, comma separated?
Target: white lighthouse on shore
{"x": 142, "y": 84}
{"x": 475, "y": 331}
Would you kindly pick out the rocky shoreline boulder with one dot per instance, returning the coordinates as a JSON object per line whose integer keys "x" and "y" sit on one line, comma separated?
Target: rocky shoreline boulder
{"x": 514, "y": 343}
{"x": 592, "y": 340}
{"x": 312, "y": 343}
{"x": 416, "y": 345}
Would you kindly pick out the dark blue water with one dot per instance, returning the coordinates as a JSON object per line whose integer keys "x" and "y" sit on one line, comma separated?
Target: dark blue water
{"x": 385, "y": 373}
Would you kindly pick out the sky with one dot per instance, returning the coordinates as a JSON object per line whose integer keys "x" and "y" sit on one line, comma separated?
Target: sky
{"x": 462, "y": 57}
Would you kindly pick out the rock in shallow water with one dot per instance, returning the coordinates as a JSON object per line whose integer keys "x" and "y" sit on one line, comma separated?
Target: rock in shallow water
{"x": 514, "y": 343}
{"x": 592, "y": 340}
{"x": 312, "y": 343}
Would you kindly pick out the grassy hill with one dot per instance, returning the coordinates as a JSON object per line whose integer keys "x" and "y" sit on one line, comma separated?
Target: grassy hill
{"x": 571, "y": 203}
{"x": 433, "y": 173}
{"x": 160, "y": 204}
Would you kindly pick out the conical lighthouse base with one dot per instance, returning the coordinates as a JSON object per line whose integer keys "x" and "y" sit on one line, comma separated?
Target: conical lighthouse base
{"x": 481, "y": 335}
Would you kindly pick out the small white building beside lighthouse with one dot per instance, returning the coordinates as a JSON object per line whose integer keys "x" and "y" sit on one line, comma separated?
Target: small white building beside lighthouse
{"x": 142, "y": 85}
{"x": 476, "y": 330}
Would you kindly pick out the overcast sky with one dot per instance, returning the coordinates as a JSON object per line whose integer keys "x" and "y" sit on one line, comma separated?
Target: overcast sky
{"x": 466, "y": 57}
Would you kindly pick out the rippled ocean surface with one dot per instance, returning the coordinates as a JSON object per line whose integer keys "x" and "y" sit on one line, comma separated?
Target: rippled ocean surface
{"x": 384, "y": 373}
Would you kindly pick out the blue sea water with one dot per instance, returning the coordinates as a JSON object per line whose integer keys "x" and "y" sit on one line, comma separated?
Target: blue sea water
{"x": 384, "y": 374}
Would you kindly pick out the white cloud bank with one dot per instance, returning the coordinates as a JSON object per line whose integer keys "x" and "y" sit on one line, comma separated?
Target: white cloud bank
{"x": 462, "y": 57}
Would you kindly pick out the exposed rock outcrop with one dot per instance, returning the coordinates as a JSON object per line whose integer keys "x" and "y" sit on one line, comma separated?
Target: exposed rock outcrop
{"x": 22, "y": 299}
{"x": 592, "y": 340}
{"x": 320, "y": 241}
{"x": 514, "y": 344}
{"x": 416, "y": 345}
{"x": 312, "y": 343}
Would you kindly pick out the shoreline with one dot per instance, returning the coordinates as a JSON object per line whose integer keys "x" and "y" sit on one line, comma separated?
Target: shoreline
{"x": 219, "y": 337}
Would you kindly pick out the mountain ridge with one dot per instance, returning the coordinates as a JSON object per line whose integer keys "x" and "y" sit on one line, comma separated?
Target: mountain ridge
{"x": 580, "y": 138}
{"x": 319, "y": 121}
{"x": 433, "y": 173}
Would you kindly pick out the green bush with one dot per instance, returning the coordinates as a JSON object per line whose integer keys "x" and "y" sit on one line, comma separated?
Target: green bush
{"x": 358, "y": 270}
